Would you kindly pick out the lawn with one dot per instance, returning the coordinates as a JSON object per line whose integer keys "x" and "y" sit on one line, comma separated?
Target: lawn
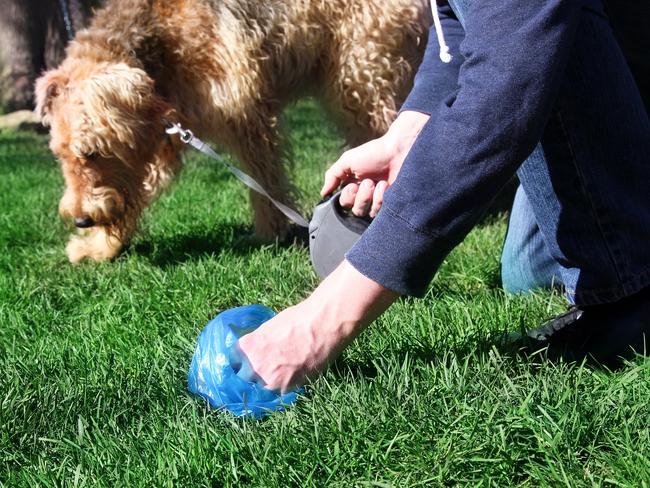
{"x": 94, "y": 357}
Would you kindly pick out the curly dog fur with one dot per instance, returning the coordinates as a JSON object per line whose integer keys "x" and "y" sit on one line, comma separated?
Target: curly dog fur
{"x": 225, "y": 69}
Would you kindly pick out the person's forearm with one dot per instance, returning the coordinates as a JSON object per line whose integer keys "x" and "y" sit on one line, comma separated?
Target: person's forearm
{"x": 347, "y": 301}
{"x": 299, "y": 342}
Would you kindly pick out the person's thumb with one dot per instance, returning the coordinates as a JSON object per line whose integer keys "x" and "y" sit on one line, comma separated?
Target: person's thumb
{"x": 335, "y": 175}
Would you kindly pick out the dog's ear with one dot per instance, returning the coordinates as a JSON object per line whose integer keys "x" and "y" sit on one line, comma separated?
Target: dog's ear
{"x": 48, "y": 87}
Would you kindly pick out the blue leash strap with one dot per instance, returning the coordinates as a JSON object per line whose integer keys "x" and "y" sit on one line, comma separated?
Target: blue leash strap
{"x": 190, "y": 139}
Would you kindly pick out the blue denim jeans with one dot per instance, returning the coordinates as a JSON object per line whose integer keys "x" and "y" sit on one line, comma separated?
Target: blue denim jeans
{"x": 581, "y": 208}
{"x": 526, "y": 263}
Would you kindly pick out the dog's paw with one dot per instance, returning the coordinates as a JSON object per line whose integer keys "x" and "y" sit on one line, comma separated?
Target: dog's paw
{"x": 97, "y": 245}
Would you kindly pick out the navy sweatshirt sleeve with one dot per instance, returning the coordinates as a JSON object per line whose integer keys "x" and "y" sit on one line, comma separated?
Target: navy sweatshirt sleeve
{"x": 435, "y": 80}
{"x": 514, "y": 56}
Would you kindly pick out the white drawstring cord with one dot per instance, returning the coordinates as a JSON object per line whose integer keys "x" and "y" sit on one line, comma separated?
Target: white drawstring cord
{"x": 445, "y": 57}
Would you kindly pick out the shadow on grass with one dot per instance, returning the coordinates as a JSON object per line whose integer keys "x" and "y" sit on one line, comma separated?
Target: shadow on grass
{"x": 237, "y": 239}
{"x": 464, "y": 291}
{"x": 512, "y": 351}
{"x": 423, "y": 354}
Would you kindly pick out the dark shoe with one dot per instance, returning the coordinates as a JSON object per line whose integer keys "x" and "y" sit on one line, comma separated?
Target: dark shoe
{"x": 602, "y": 333}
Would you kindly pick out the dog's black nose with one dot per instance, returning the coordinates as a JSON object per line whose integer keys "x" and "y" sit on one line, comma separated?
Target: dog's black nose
{"x": 83, "y": 222}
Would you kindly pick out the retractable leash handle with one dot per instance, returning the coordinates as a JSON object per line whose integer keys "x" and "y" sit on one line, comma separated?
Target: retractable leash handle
{"x": 332, "y": 230}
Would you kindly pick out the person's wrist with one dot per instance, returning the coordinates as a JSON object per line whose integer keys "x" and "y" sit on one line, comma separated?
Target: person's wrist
{"x": 404, "y": 129}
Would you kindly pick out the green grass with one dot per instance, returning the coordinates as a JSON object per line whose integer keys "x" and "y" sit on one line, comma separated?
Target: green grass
{"x": 94, "y": 358}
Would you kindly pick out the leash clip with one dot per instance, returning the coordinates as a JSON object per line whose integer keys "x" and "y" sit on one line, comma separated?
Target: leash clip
{"x": 186, "y": 135}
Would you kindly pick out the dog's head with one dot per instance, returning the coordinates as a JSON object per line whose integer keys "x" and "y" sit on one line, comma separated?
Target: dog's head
{"x": 107, "y": 130}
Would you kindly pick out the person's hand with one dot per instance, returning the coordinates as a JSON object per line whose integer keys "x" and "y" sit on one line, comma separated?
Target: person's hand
{"x": 368, "y": 170}
{"x": 298, "y": 343}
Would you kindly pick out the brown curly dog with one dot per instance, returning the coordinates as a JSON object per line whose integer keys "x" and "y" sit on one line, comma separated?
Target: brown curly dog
{"x": 224, "y": 69}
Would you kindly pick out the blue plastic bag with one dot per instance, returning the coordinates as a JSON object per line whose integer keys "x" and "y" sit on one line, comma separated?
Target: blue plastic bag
{"x": 212, "y": 376}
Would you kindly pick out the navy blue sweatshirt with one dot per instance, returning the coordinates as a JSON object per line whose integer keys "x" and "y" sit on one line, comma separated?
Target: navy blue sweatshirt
{"x": 488, "y": 110}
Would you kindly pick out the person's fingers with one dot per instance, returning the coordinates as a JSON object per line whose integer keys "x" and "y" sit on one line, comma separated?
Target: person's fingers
{"x": 241, "y": 366}
{"x": 364, "y": 198}
{"x": 246, "y": 373}
{"x": 378, "y": 198}
{"x": 236, "y": 357}
{"x": 349, "y": 193}
{"x": 336, "y": 174}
